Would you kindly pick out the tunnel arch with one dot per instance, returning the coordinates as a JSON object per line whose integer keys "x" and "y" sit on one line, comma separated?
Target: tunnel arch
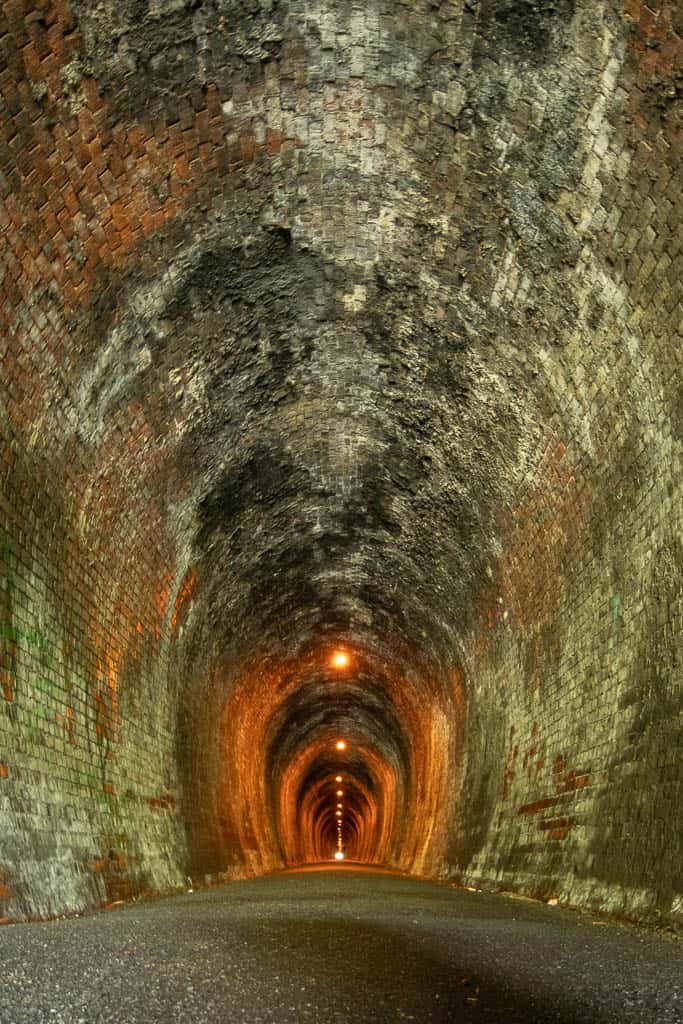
{"x": 326, "y": 329}
{"x": 295, "y": 713}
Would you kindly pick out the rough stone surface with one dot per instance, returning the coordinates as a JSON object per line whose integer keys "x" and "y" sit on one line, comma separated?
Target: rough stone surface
{"x": 340, "y": 325}
{"x": 336, "y": 946}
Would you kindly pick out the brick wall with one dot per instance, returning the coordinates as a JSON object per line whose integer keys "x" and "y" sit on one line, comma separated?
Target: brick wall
{"x": 578, "y": 633}
{"x": 88, "y": 781}
{"x": 325, "y": 325}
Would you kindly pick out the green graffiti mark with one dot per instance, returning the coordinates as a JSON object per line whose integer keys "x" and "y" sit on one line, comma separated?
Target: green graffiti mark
{"x": 616, "y": 607}
{"x": 8, "y": 631}
{"x": 33, "y": 637}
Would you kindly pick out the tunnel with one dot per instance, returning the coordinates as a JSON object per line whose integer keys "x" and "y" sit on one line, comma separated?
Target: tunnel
{"x": 341, "y": 431}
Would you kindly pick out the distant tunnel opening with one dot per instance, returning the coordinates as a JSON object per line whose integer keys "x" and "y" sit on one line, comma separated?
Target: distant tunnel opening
{"x": 293, "y": 730}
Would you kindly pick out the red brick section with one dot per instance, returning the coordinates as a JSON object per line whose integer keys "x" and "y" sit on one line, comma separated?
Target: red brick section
{"x": 655, "y": 40}
{"x": 5, "y": 890}
{"x": 162, "y": 803}
{"x": 91, "y": 188}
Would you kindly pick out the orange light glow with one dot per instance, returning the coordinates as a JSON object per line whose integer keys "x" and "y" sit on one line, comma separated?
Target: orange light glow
{"x": 340, "y": 792}
{"x": 339, "y": 814}
{"x": 340, "y": 659}
{"x": 340, "y": 745}
{"x": 300, "y": 829}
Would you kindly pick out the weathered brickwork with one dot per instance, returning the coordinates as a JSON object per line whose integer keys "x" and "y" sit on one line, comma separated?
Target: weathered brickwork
{"x": 86, "y": 732}
{"x": 328, "y": 324}
{"x": 579, "y": 632}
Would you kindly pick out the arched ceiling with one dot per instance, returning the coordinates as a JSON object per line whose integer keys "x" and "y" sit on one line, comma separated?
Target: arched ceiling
{"x": 317, "y": 345}
{"x": 327, "y": 258}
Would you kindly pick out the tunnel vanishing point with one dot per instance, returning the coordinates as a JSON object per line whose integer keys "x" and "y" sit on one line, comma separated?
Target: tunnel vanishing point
{"x": 341, "y": 445}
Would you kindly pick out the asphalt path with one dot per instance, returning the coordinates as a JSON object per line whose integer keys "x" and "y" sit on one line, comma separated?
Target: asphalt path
{"x": 337, "y": 946}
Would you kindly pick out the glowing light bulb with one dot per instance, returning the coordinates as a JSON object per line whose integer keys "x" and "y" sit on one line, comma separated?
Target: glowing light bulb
{"x": 340, "y": 792}
{"x": 340, "y": 659}
{"x": 339, "y": 805}
{"x": 340, "y": 745}
{"x": 337, "y": 778}
{"x": 338, "y": 814}
{"x": 339, "y": 855}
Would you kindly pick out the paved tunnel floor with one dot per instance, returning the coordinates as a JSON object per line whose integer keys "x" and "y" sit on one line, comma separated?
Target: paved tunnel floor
{"x": 340, "y": 945}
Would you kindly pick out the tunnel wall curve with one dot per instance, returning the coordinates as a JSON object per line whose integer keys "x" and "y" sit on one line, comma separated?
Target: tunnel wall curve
{"x": 321, "y": 327}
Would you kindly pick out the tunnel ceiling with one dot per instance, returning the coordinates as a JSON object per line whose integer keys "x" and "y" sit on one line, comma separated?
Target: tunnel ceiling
{"x": 323, "y": 288}
{"x": 311, "y": 332}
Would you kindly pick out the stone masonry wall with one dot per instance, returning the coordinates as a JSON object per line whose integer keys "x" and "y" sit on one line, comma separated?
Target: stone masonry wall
{"x": 579, "y": 632}
{"x": 88, "y": 786}
{"x": 334, "y": 324}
